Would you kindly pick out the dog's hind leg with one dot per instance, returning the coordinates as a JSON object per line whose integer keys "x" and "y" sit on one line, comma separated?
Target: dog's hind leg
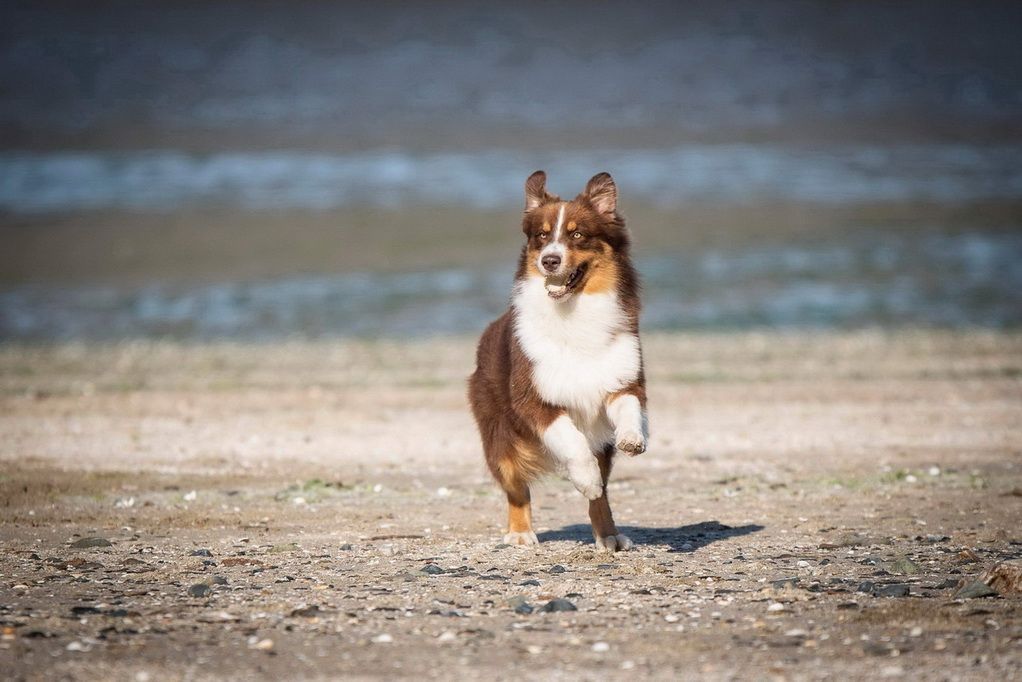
{"x": 514, "y": 473}
{"x": 519, "y": 517}
{"x": 605, "y": 532}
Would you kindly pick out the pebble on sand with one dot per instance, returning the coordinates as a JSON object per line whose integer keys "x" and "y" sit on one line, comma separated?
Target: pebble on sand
{"x": 976, "y": 590}
{"x": 200, "y": 590}
{"x": 556, "y": 605}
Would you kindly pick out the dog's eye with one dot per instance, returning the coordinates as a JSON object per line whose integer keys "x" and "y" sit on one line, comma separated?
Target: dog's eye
{"x": 577, "y": 235}
{"x": 542, "y": 235}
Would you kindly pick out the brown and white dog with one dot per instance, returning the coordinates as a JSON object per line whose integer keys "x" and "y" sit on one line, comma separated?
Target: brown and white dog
{"x": 559, "y": 381}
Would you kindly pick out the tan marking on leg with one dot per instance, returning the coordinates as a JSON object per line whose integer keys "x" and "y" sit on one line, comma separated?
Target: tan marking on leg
{"x": 519, "y": 513}
{"x": 524, "y": 465}
{"x": 519, "y": 518}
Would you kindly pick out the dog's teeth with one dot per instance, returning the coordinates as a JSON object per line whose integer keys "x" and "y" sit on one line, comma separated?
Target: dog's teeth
{"x": 556, "y": 289}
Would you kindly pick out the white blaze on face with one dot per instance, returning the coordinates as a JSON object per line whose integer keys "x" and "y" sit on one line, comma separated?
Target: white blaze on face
{"x": 555, "y": 247}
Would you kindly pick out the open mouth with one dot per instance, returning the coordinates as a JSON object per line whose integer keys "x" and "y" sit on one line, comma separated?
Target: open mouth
{"x": 559, "y": 289}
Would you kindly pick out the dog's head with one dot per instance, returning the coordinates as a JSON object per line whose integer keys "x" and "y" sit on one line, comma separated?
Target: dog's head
{"x": 573, "y": 245}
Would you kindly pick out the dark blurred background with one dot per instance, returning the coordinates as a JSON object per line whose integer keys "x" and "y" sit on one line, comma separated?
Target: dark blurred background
{"x": 259, "y": 170}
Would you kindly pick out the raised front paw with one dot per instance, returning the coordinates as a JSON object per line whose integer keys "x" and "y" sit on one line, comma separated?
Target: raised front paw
{"x": 613, "y": 543}
{"x": 631, "y": 442}
{"x": 522, "y": 538}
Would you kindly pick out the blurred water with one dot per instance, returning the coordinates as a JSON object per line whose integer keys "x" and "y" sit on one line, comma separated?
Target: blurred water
{"x": 389, "y": 71}
{"x": 954, "y": 280}
{"x": 114, "y": 109}
{"x": 166, "y": 180}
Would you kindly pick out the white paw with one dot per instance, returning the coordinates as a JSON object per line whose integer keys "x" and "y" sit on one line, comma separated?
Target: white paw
{"x": 585, "y": 474}
{"x": 613, "y": 543}
{"x": 526, "y": 538}
{"x": 631, "y": 442}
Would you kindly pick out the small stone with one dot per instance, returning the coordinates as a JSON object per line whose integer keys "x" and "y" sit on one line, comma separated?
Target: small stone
{"x": 190, "y": 496}
{"x": 383, "y": 638}
{"x": 527, "y": 583}
{"x": 933, "y": 471}
{"x": 446, "y": 636}
{"x": 88, "y": 543}
{"x": 557, "y": 605}
{"x": 916, "y": 632}
{"x": 897, "y": 590}
{"x": 519, "y": 605}
{"x": 218, "y": 580}
{"x": 967, "y": 555}
{"x": 803, "y": 564}
{"x": 310, "y": 611}
{"x": 83, "y": 610}
{"x": 283, "y": 548}
{"x": 431, "y": 569}
{"x": 601, "y": 647}
{"x": 557, "y": 568}
{"x": 775, "y": 607}
{"x": 201, "y": 552}
{"x": 671, "y": 618}
{"x": 263, "y": 645}
{"x": 345, "y": 547}
{"x": 975, "y": 590}
{"x": 200, "y": 590}
{"x": 903, "y": 566}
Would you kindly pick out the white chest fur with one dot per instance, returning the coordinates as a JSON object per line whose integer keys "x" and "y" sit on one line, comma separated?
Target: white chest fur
{"x": 581, "y": 349}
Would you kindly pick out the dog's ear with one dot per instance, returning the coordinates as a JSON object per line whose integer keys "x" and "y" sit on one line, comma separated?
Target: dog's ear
{"x": 535, "y": 191}
{"x": 601, "y": 192}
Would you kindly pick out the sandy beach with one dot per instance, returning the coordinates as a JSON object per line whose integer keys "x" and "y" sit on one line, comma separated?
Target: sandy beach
{"x": 810, "y": 507}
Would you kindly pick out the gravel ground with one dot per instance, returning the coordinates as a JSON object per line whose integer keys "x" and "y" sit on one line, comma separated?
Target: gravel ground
{"x": 812, "y": 506}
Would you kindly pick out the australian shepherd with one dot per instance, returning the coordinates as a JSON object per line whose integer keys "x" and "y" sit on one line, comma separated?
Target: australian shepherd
{"x": 559, "y": 382}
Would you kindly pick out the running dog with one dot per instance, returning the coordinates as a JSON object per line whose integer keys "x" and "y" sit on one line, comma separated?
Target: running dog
{"x": 559, "y": 382}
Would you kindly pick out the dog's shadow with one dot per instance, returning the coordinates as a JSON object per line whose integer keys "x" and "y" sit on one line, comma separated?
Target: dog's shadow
{"x": 681, "y": 539}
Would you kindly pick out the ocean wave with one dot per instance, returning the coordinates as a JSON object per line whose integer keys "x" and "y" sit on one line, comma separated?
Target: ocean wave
{"x": 163, "y": 180}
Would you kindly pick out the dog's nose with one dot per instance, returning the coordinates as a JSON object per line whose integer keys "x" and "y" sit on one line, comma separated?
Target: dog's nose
{"x": 551, "y": 262}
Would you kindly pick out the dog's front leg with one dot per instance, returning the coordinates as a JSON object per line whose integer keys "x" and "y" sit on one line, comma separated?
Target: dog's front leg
{"x": 627, "y": 414}
{"x": 570, "y": 447}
